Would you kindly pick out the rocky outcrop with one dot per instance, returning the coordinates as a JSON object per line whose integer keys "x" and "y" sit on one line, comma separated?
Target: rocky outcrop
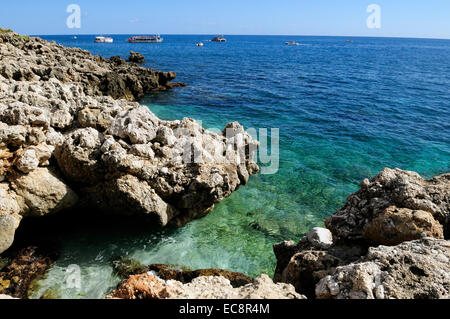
{"x": 417, "y": 269}
{"x": 150, "y": 286}
{"x": 125, "y": 267}
{"x": 393, "y": 189}
{"x": 396, "y": 208}
{"x": 136, "y": 57}
{"x": 71, "y": 135}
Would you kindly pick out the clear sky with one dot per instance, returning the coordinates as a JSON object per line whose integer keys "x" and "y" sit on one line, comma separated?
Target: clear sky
{"x": 399, "y": 18}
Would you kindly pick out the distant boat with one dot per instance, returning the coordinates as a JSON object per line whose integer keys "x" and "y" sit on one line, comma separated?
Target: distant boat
{"x": 145, "y": 39}
{"x": 350, "y": 41}
{"x": 200, "y": 44}
{"x": 219, "y": 39}
{"x": 103, "y": 40}
{"x": 292, "y": 43}
{"x": 74, "y": 37}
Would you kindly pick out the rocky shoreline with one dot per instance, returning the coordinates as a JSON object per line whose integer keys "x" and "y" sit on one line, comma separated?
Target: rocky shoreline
{"x": 74, "y": 137}
{"x": 390, "y": 240}
{"x": 71, "y": 136}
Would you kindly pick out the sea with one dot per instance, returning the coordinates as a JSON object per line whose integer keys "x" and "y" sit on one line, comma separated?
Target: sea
{"x": 345, "y": 108}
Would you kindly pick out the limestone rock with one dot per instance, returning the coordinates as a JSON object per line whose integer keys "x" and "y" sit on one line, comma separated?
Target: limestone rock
{"x": 43, "y": 192}
{"x": 396, "y": 225}
{"x": 136, "y": 57}
{"x": 417, "y": 269}
{"x": 69, "y": 120}
{"x": 8, "y": 226}
{"x": 149, "y": 286}
{"x": 391, "y": 187}
{"x": 28, "y": 161}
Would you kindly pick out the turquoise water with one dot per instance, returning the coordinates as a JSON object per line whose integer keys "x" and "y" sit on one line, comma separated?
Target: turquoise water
{"x": 344, "y": 110}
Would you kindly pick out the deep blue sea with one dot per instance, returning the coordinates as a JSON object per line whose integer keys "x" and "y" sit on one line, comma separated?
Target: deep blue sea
{"x": 344, "y": 110}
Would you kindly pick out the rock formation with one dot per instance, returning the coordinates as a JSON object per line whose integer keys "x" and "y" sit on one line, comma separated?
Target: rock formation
{"x": 70, "y": 134}
{"x": 398, "y": 209}
{"x": 150, "y": 286}
{"x": 136, "y": 57}
{"x": 125, "y": 267}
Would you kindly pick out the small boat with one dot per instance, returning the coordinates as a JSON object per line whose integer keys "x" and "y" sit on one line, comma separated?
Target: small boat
{"x": 103, "y": 40}
{"x": 200, "y": 44}
{"x": 146, "y": 39}
{"x": 74, "y": 37}
{"x": 219, "y": 39}
{"x": 292, "y": 43}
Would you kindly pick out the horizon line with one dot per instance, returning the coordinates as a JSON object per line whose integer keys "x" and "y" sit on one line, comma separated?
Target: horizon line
{"x": 261, "y": 35}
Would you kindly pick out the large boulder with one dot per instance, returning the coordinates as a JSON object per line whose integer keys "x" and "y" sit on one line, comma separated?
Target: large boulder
{"x": 43, "y": 192}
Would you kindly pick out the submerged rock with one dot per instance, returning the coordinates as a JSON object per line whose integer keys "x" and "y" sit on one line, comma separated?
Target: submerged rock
{"x": 150, "y": 286}
{"x": 71, "y": 135}
{"x": 29, "y": 265}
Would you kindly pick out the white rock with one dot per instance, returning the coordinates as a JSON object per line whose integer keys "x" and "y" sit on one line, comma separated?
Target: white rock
{"x": 320, "y": 237}
{"x": 28, "y": 161}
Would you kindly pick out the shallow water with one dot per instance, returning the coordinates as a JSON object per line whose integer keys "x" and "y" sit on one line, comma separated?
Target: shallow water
{"x": 344, "y": 110}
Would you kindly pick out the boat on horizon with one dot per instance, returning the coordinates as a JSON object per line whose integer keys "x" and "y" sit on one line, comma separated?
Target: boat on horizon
{"x": 292, "y": 43}
{"x": 146, "y": 39}
{"x": 219, "y": 39}
{"x": 200, "y": 44}
{"x": 101, "y": 39}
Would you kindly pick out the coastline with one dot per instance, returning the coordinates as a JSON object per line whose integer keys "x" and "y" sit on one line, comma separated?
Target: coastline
{"x": 91, "y": 120}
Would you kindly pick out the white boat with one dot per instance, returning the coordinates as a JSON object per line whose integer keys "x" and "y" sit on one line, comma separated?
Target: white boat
{"x": 200, "y": 44}
{"x": 292, "y": 43}
{"x": 146, "y": 39}
{"x": 103, "y": 40}
{"x": 74, "y": 37}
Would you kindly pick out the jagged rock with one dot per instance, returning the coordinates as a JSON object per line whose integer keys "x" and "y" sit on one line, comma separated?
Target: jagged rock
{"x": 68, "y": 122}
{"x": 417, "y": 269}
{"x": 28, "y": 161}
{"x": 149, "y": 286}
{"x": 136, "y": 57}
{"x": 396, "y": 225}
{"x": 185, "y": 276}
{"x": 306, "y": 268}
{"x": 393, "y": 208}
{"x": 391, "y": 187}
{"x": 126, "y": 267}
{"x": 303, "y": 264}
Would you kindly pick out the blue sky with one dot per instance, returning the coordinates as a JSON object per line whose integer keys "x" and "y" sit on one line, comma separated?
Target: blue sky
{"x": 399, "y": 18}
